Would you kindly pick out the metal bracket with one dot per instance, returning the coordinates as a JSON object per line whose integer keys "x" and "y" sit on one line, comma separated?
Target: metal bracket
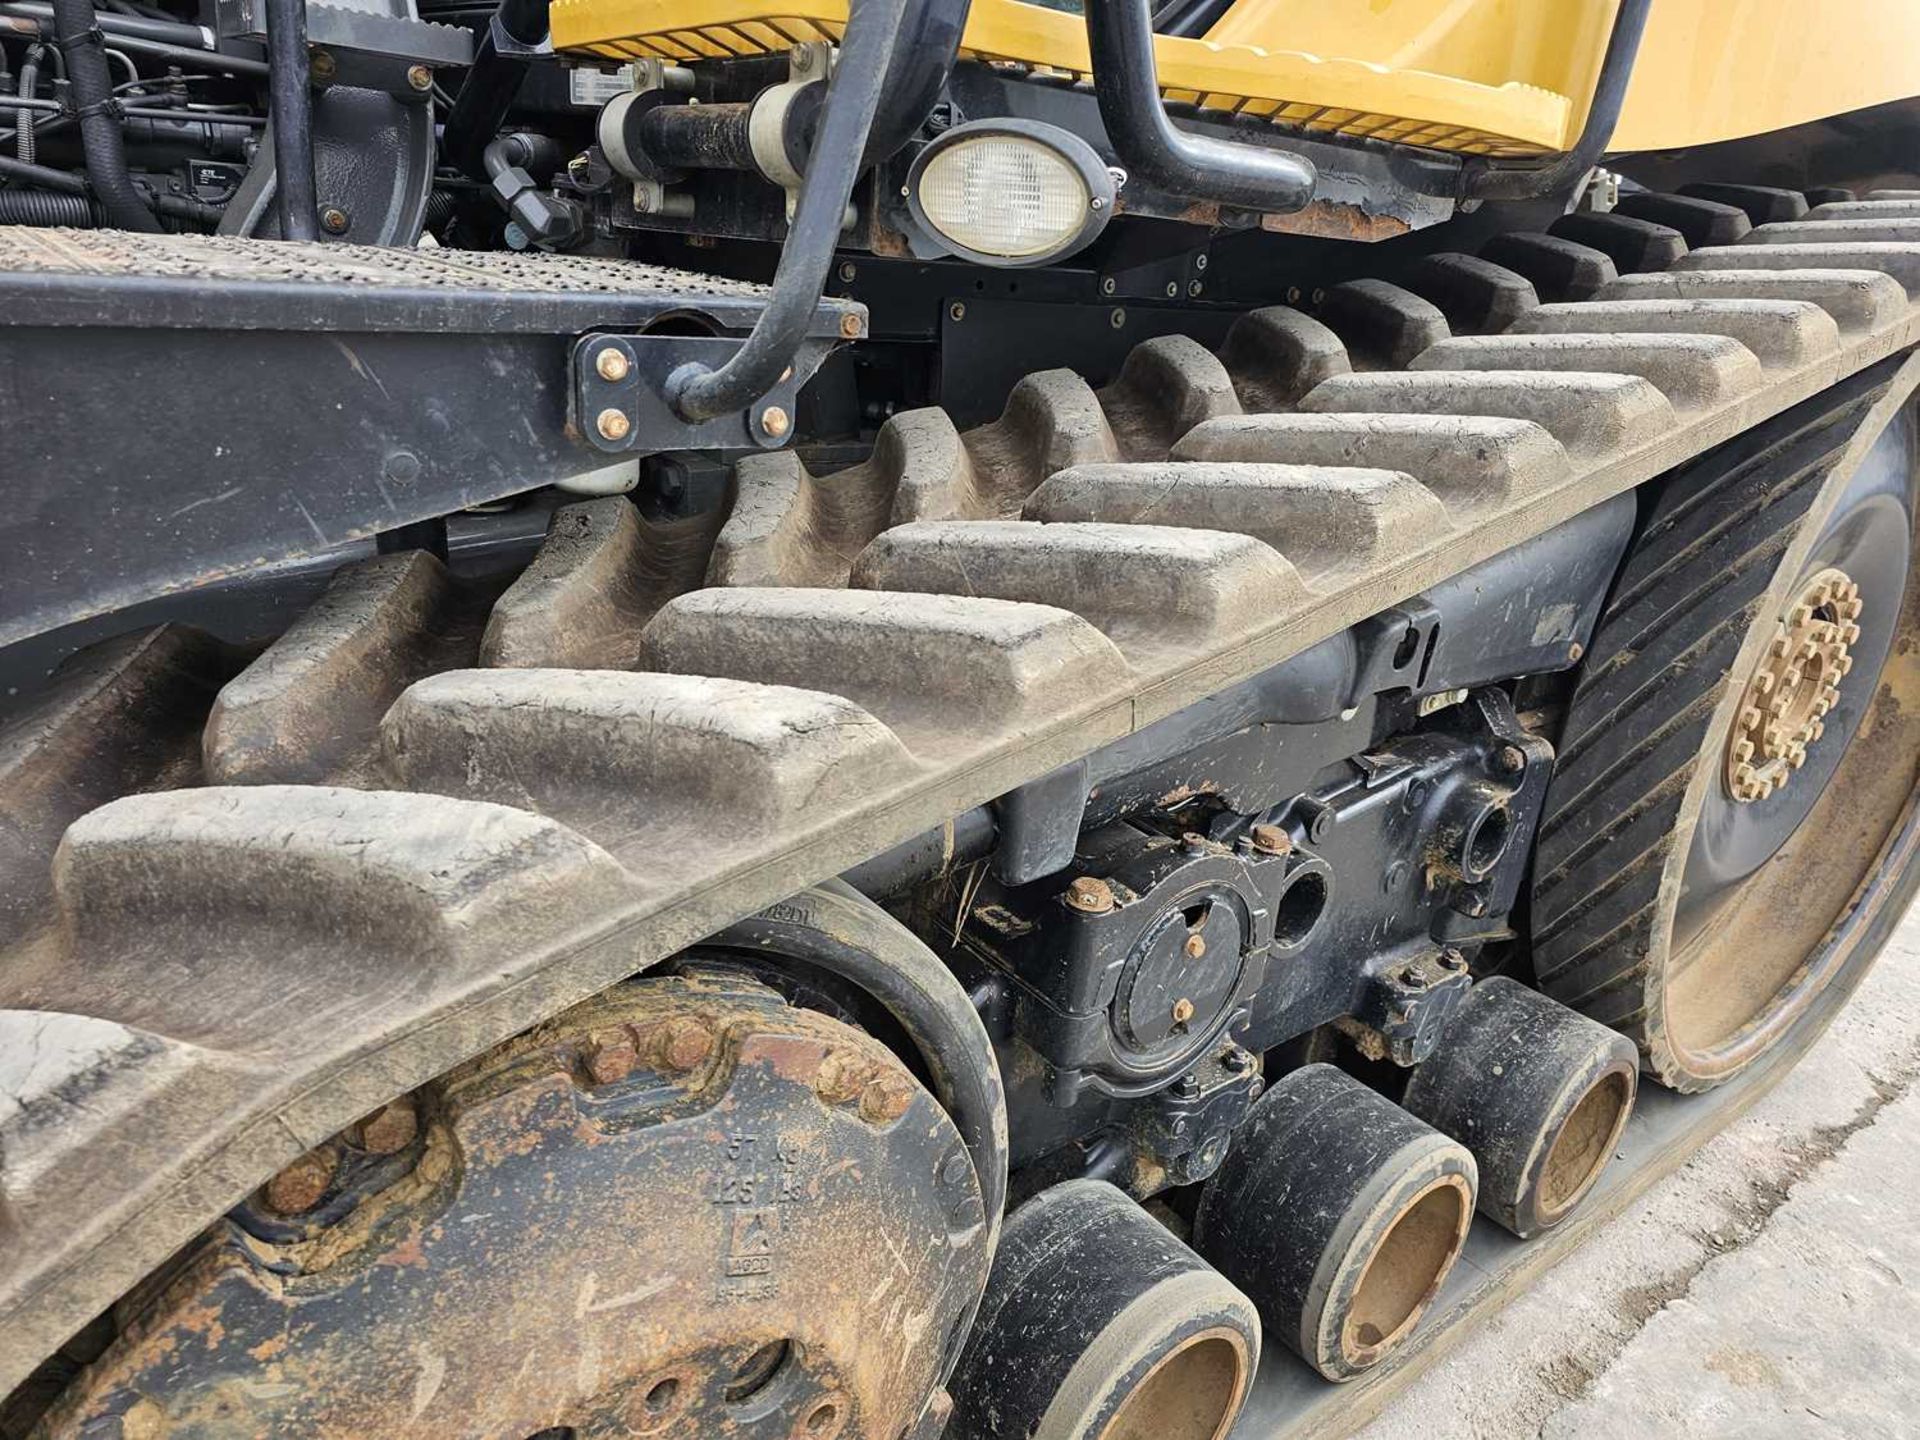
{"x": 620, "y": 384}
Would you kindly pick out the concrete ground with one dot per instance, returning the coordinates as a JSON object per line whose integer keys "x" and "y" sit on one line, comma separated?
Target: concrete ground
{"x": 1769, "y": 1288}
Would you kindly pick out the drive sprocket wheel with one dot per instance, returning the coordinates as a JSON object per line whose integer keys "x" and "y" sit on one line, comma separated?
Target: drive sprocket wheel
{"x": 1730, "y": 832}
{"x": 682, "y": 1209}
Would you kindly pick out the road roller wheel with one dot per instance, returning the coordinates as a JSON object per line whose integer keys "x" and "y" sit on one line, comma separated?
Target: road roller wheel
{"x": 682, "y": 1209}
{"x": 1538, "y": 1093}
{"x": 1099, "y": 1324}
{"x": 1340, "y": 1214}
{"x": 1729, "y": 830}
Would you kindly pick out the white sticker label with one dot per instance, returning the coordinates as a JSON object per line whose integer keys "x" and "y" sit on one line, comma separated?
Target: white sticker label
{"x": 597, "y": 87}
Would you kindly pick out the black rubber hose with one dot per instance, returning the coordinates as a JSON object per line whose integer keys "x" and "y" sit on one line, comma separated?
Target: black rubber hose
{"x": 291, "y": 111}
{"x": 46, "y": 207}
{"x": 91, "y": 85}
{"x": 697, "y": 393}
{"x": 1482, "y": 179}
{"x": 42, "y": 176}
{"x": 838, "y": 929}
{"x": 924, "y": 50}
{"x": 480, "y": 109}
{"x": 1154, "y": 149}
{"x": 169, "y": 32}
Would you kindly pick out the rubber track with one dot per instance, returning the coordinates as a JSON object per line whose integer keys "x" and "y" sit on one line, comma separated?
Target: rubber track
{"x": 227, "y": 975}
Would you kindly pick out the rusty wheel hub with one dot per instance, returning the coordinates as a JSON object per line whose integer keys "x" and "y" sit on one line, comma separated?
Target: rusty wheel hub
{"x": 684, "y": 1209}
{"x": 1783, "y": 711}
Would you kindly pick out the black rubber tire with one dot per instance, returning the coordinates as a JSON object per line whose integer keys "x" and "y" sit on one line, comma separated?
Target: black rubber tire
{"x": 1651, "y": 710}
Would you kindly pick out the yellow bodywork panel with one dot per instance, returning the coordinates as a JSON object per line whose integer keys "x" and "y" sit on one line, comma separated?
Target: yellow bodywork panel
{"x": 1493, "y": 77}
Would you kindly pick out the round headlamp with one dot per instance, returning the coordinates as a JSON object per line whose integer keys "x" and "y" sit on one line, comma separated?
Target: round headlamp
{"x": 1010, "y": 192}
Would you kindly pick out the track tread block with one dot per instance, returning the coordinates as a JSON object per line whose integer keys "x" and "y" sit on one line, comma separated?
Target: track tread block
{"x": 308, "y": 710}
{"x": 649, "y": 764}
{"x": 947, "y": 673}
{"x": 1383, "y": 325}
{"x": 1858, "y": 300}
{"x": 1472, "y": 462}
{"x": 1589, "y": 414}
{"x": 1868, "y": 209}
{"x": 1900, "y": 261}
{"x": 1763, "y": 203}
{"x": 597, "y": 578}
{"x": 1692, "y": 371}
{"x": 1560, "y": 269}
{"x": 1326, "y": 521}
{"x": 1699, "y": 221}
{"x": 1147, "y": 587}
{"x": 1898, "y": 230}
{"x": 1780, "y": 333}
{"x": 1278, "y": 354}
{"x": 1166, "y": 386}
{"x": 1476, "y": 296}
{"x": 1633, "y": 245}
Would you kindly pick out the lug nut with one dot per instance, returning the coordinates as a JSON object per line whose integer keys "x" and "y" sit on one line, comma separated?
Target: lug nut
{"x": 612, "y": 364}
{"x": 613, "y": 424}
{"x": 610, "y": 1055}
{"x": 1182, "y": 1011}
{"x": 1090, "y": 896}
{"x": 1271, "y": 840}
{"x": 885, "y": 1099}
{"x": 842, "y": 1074}
{"x": 301, "y": 1186}
{"x": 389, "y": 1129}
{"x": 774, "y": 421}
{"x": 1196, "y": 946}
{"x": 680, "y": 1045}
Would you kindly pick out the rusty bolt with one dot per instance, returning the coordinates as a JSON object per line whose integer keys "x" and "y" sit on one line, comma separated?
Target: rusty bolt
{"x": 612, "y": 424}
{"x": 1182, "y": 1011}
{"x": 1576, "y": 650}
{"x": 1090, "y": 896}
{"x": 680, "y": 1044}
{"x": 842, "y": 1074}
{"x": 334, "y": 220}
{"x": 141, "y": 1420}
{"x": 849, "y": 327}
{"x": 322, "y": 66}
{"x": 1512, "y": 759}
{"x": 419, "y": 77}
{"x": 612, "y": 364}
{"x": 1196, "y": 946}
{"x": 774, "y": 421}
{"x": 610, "y": 1055}
{"x": 886, "y": 1098}
{"x": 390, "y": 1129}
{"x": 1271, "y": 840}
{"x": 299, "y": 1187}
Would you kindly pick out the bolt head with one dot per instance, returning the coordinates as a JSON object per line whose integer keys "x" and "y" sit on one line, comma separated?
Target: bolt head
{"x": 389, "y": 1129}
{"x": 612, "y": 424}
{"x": 957, "y": 311}
{"x": 774, "y": 421}
{"x": 1512, "y": 759}
{"x": 1196, "y": 946}
{"x": 847, "y": 272}
{"x": 681, "y": 1044}
{"x": 1576, "y": 650}
{"x": 334, "y": 220}
{"x": 842, "y": 1074}
{"x": 1271, "y": 840}
{"x": 849, "y": 327}
{"x": 419, "y": 77}
{"x": 321, "y": 65}
{"x": 303, "y": 1184}
{"x": 611, "y": 364}
{"x": 1182, "y": 1011}
{"x": 1090, "y": 896}
{"x": 886, "y": 1098}
{"x": 610, "y": 1055}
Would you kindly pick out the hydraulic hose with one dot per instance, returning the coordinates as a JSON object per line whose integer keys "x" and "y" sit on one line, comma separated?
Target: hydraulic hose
{"x": 1153, "y": 148}
{"x": 292, "y": 114}
{"x": 480, "y": 109}
{"x": 697, "y": 393}
{"x": 91, "y": 85}
{"x": 29, "y": 79}
{"x": 46, "y": 207}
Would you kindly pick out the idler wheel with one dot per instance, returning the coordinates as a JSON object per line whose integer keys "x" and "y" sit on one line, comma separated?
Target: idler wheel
{"x": 1538, "y": 1093}
{"x": 1340, "y": 1214}
{"x": 1100, "y": 1325}
{"x": 684, "y": 1209}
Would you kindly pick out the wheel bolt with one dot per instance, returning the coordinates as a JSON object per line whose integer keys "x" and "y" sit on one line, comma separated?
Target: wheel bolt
{"x": 1090, "y": 896}
{"x": 389, "y": 1129}
{"x": 300, "y": 1187}
{"x": 680, "y": 1045}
